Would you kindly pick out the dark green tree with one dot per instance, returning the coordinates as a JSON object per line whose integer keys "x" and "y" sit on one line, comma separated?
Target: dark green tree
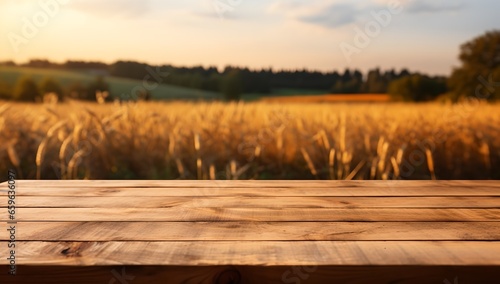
{"x": 417, "y": 88}
{"x": 479, "y": 74}
{"x": 232, "y": 85}
{"x": 375, "y": 83}
{"x": 49, "y": 85}
{"x": 348, "y": 83}
{"x": 5, "y": 91}
{"x": 26, "y": 90}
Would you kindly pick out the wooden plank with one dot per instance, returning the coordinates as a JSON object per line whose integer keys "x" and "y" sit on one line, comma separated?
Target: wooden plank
{"x": 184, "y": 253}
{"x": 212, "y": 214}
{"x": 260, "y": 183}
{"x": 256, "y": 231}
{"x": 260, "y": 202}
{"x": 253, "y": 275}
{"x": 73, "y": 191}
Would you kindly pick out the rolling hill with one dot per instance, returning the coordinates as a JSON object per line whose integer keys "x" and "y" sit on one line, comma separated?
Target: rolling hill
{"x": 118, "y": 86}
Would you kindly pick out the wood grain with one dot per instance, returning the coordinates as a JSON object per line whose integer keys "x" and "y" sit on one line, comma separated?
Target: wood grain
{"x": 256, "y": 231}
{"x": 208, "y": 253}
{"x": 74, "y": 191}
{"x": 261, "y": 183}
{"x": 213, "y": 214}
{"x": 252, "y": 202}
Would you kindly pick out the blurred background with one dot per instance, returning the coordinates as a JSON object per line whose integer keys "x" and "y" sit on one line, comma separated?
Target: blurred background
{"x": 238, "y": 89}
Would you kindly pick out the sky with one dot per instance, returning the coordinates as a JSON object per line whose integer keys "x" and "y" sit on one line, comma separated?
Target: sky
{"x": 325, "y": 35}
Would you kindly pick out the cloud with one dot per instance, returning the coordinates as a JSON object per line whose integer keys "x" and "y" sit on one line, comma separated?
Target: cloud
{"x": 216, "y": 10}
{"x": 124, "y": 8}
{"x": 425, "y": 6}
{"x": 333, "y": 16}
{"x": 328, "y": 14}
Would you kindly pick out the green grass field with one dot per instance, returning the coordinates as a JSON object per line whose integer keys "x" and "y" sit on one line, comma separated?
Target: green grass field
{"x": 125, "y": 86}
{"x": 118, "y": 86}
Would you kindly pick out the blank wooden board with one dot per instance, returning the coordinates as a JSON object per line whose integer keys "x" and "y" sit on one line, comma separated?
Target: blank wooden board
{"x": 253, "y": 232}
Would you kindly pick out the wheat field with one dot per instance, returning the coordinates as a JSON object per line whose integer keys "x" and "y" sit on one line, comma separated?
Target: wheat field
{"x": 181, "y": 140}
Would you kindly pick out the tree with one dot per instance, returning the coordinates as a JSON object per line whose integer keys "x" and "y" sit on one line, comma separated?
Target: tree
{"x": 479, "y": 74}
{"x": 375, "y": 83}
{"x": 417, "y": 88}
{"x": 349, "y": 83}
{"x": 26, "y": 90}
{"x": 5, "y": 91}
{"x": 49, "y": 85}
{"x": 232, "y": 85}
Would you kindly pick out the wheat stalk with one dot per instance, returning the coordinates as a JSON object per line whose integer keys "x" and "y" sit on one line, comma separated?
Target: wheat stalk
{"x": 199, "y": 167}
{"x": 373, "y": 169}
{"x": 171, "y": 145}
{"x": 355, "y": 171}
{"x": 309, "y": 162}
{"x": 383, "y": 157}
{"x": 77, "y": 133}
{"x": 324, "y": 137}
{"x": 39, "y": 157}
{"x": 343, "y": 132}
{"x": 485, "y": 151}
{"x": 197, "y": 142}
{"x": 56, "y": 127}
{"x": 331, "y": 163}
{"x": 430, "y": 163}
{"x": 367, "y": 144}
{"x": 180, "y": 168}
{"x": 62, "y": 154}
{"x": 14, "y": 159}
{"x": 74, "y": 162}
{"x": 395, "y": 167}
{"x": 232, "y": 170}
{"x": 212, "y": 172}
{"x": 42, "y": 147}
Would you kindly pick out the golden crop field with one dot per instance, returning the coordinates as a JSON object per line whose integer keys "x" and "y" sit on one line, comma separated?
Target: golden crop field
{"x": 250, "y": 141}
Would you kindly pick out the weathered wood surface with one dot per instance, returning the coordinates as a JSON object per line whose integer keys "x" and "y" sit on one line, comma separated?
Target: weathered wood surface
{"x": 210, "y": 253}
{"x": 78, "y": 190}
{"x": 450, "y": 202}
{"x": 262, "y": 183}
{"x": 238, "y": 215}
{"x": 254, "y": 232}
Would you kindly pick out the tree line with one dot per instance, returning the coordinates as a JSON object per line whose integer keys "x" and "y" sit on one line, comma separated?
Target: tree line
{"x": 26, "y": 89}
{"x": 232, "y": 81}
{"x": 480, "y": 66}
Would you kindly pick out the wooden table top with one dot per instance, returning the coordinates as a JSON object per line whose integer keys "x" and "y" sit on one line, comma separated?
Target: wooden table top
{"x": 242, "y": 224}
